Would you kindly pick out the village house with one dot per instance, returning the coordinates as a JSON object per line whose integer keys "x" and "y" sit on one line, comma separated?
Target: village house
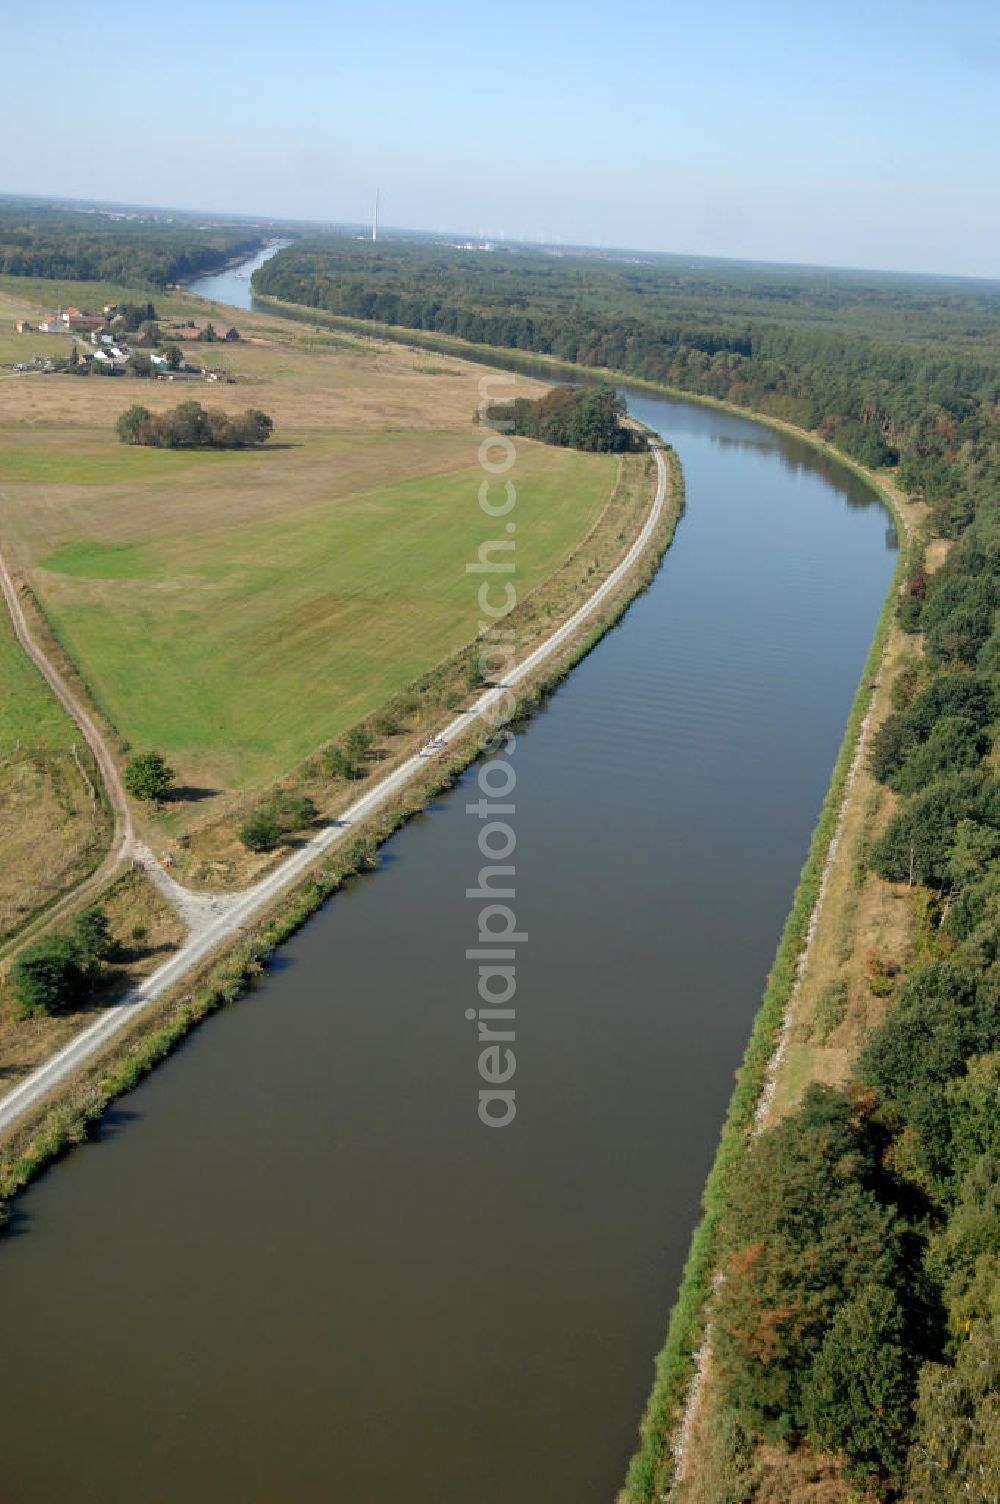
{"x": 52, "y": 325}
{"x": 82, "y": 322}
{"x": 24, "y": 327}
{"x": 112, "y": 359}
{"x": 189, "y": 332}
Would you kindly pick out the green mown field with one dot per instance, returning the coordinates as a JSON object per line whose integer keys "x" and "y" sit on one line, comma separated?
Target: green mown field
{"x": 29, "y": 712}
{"x": 107, "y": 464}
{"x": 237, "y": 647}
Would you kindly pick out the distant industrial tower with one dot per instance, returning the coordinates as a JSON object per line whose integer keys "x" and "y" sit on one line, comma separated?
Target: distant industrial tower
{"x": 375, "y": 219}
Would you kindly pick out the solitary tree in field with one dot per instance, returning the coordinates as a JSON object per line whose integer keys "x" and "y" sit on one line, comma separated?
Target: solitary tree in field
{"x": 148, "y": 777}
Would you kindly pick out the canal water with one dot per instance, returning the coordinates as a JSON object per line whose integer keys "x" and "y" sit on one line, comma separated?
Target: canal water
{"x": 232, "y": 286}
{"x": 295, "y": 1265}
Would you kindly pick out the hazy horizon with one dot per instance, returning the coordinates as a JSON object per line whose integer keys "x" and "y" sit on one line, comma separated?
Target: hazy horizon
{"x": 860, "y": 140}
{"x": 390, "y": 232}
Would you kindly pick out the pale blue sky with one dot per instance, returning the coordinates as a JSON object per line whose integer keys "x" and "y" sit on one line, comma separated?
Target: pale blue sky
{"x": 859, "y": 134}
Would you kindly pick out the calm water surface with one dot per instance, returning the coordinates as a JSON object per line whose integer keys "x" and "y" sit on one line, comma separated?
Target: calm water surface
{"x": 296, "y": 1267}
{"x": 233, "y": 285}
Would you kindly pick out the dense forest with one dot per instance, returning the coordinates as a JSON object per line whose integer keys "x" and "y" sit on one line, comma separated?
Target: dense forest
{"x": 78, "y": 246}
{"x": 860, "y": 1238}
{"x": 588, "y": 418}
{"x": 894, "y": 370}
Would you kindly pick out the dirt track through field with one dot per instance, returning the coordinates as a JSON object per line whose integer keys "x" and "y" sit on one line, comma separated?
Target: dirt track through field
{"x": 122, "y": 838}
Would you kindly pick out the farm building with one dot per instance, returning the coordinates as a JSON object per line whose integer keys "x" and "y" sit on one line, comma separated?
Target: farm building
{"x": 111, "y": 359}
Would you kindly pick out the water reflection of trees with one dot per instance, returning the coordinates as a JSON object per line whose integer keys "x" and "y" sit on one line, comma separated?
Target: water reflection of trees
{"x": 732, "y": 431}
{"x": 801, "y": 459}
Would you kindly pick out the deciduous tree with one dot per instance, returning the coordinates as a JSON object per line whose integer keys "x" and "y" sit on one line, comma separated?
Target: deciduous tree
{"x": 147, "y": 776}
